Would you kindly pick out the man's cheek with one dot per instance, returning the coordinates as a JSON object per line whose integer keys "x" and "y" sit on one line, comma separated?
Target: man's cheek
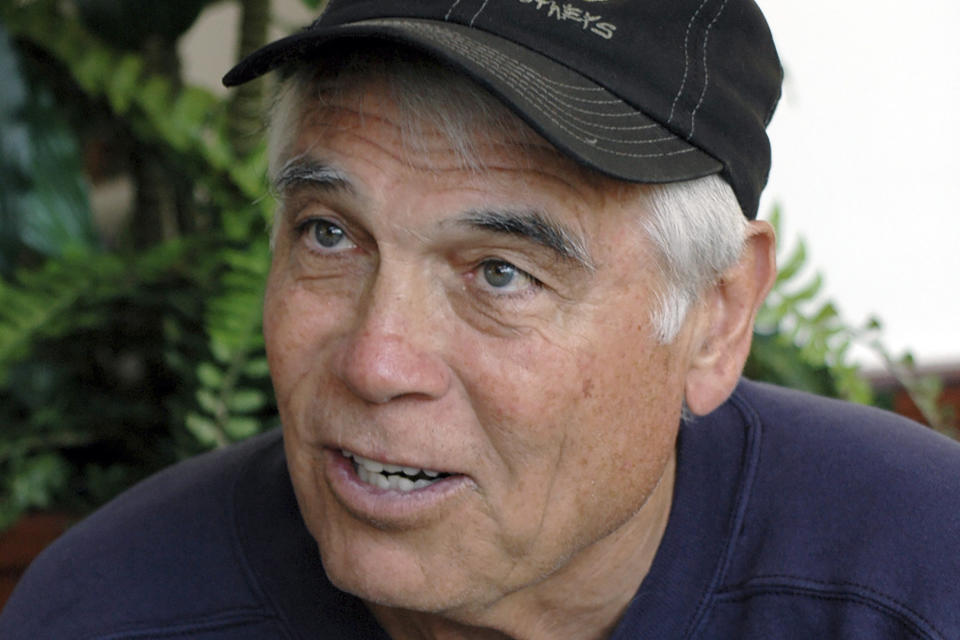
{"x": 298, "y": 324}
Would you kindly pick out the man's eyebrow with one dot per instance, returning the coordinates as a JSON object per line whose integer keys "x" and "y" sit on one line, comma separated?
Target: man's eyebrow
{"x": 533, "y": 226}
{"x": 299, "y": 172}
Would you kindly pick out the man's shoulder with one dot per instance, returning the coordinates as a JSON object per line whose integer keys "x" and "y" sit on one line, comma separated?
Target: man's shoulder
{"x": 849, "y": 504}
{"x": 808, "y": 438}
{"x": 870, "y": 467}
{"x": 165, "y": 552}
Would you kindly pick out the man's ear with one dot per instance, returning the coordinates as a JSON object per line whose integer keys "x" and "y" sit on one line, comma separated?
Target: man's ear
{"x": 724, "y": 329}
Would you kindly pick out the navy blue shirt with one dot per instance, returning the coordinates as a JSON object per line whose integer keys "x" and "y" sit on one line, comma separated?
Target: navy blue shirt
{"x": 793, "y": 517}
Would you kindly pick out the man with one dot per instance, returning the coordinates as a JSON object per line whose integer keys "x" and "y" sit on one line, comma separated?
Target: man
{"x": 516, "y": 266}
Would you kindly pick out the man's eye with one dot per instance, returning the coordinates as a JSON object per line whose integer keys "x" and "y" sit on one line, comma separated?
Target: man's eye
{"x": 505, "y": 277}
{"x": 325, "y": 235}
{"x": 499, "y": 274}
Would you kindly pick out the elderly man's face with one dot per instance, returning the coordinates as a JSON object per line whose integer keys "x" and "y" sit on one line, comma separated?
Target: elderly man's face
{"x": 487, "y": 330}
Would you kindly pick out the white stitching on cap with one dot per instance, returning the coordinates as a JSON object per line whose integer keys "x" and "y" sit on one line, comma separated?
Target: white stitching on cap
{"x": 520, "y": 72}
{"x": 495, "y": 59}
{"x": 437, "y": 32}
{"x": 706, "y": 71}
{"x": 479, "y": 11}
{"x": 457, "y": 41}
{"x": 450, "y": 10}
{"x": 524, "y": 73}
{"x": 546, "y": 107}
{"x": 559, "y": 107}
{"x": 686, "y": 59}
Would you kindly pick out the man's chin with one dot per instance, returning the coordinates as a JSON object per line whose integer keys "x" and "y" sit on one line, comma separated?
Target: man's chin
{"x": 393, "y": 583}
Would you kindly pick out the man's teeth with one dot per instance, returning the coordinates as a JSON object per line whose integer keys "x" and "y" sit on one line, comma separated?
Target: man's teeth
{"x": 392, "y": 476}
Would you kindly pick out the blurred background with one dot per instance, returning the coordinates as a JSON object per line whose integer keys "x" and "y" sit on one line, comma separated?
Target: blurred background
{"x": 134, "y": 215}
{"x": 865, "y": 161}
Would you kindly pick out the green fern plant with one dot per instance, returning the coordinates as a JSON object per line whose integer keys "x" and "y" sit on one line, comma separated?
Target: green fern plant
{"x": 114, "y": 364}
{"x": 231, "y": 383}
{"x": 800, "y": 339}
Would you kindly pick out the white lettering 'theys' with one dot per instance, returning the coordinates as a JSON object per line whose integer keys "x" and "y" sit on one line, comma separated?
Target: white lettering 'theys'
{"x": 572, "y": 13}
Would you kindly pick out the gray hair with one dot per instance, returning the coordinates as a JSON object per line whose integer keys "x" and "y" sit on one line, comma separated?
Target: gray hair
{"x": 697, "y": 227}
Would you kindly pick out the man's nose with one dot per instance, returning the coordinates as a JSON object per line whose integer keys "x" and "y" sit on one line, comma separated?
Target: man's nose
{"x": 393, "y": 351}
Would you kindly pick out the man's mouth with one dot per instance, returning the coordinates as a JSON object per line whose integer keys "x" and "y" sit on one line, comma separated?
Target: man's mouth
{"x": 392, "y": 476}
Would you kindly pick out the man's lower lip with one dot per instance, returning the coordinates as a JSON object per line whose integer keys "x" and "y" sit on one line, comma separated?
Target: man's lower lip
{"x": 387, "y": 507}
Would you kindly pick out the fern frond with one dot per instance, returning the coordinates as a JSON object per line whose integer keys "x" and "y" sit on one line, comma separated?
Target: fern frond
{"x": 67, "y": 294}
{"x": 230, "y": 387}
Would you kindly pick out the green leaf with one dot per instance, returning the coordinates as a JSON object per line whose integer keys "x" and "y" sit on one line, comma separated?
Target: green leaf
{"x": 793, "y": 264}
{"x": 210, "y": 375}
{"x": 808, "y": 292}
{"x": 238, "y": 224}
{"x": 42, "y": 302}
{"x": 208, "y": 401}
{"x": 123, "y": 83}
{"x": 205, "y": 430}
{"x": 191, "y": 109}
{"x": 221, "y": 351}
{"x": 257, "y": 368}
{"x": 775, "y": 218}
{"x": 239, "y": 428}
{"x": 246, "y": 400}
{"x": 37, "y": 479}
{"x": 251, "y": 177}
{"x": 826, "y": 314}
{"x": 93, "y": 68}
{"x": 154, "y": 97}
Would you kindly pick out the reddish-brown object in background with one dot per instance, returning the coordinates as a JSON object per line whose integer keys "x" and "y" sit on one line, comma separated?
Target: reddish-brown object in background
{"x": 23, "y": 541}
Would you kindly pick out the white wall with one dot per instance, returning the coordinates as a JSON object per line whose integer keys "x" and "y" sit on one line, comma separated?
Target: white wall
{"x": 209, "y": 49}
{"x": 866, "y": 159}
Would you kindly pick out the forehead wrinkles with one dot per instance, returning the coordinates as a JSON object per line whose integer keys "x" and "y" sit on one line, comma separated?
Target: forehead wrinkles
{"x": 481, "y": 148}
{"x": 469, "y": 137}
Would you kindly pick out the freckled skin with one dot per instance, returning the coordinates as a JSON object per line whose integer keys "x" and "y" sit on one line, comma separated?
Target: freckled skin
{"x": 562, "y": 415}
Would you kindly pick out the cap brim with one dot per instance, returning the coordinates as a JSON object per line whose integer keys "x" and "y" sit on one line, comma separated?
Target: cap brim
{"x": 579, "y": 117}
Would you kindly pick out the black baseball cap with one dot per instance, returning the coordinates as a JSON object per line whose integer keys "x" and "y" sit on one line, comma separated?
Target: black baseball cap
{"x": 641, "y": 90}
